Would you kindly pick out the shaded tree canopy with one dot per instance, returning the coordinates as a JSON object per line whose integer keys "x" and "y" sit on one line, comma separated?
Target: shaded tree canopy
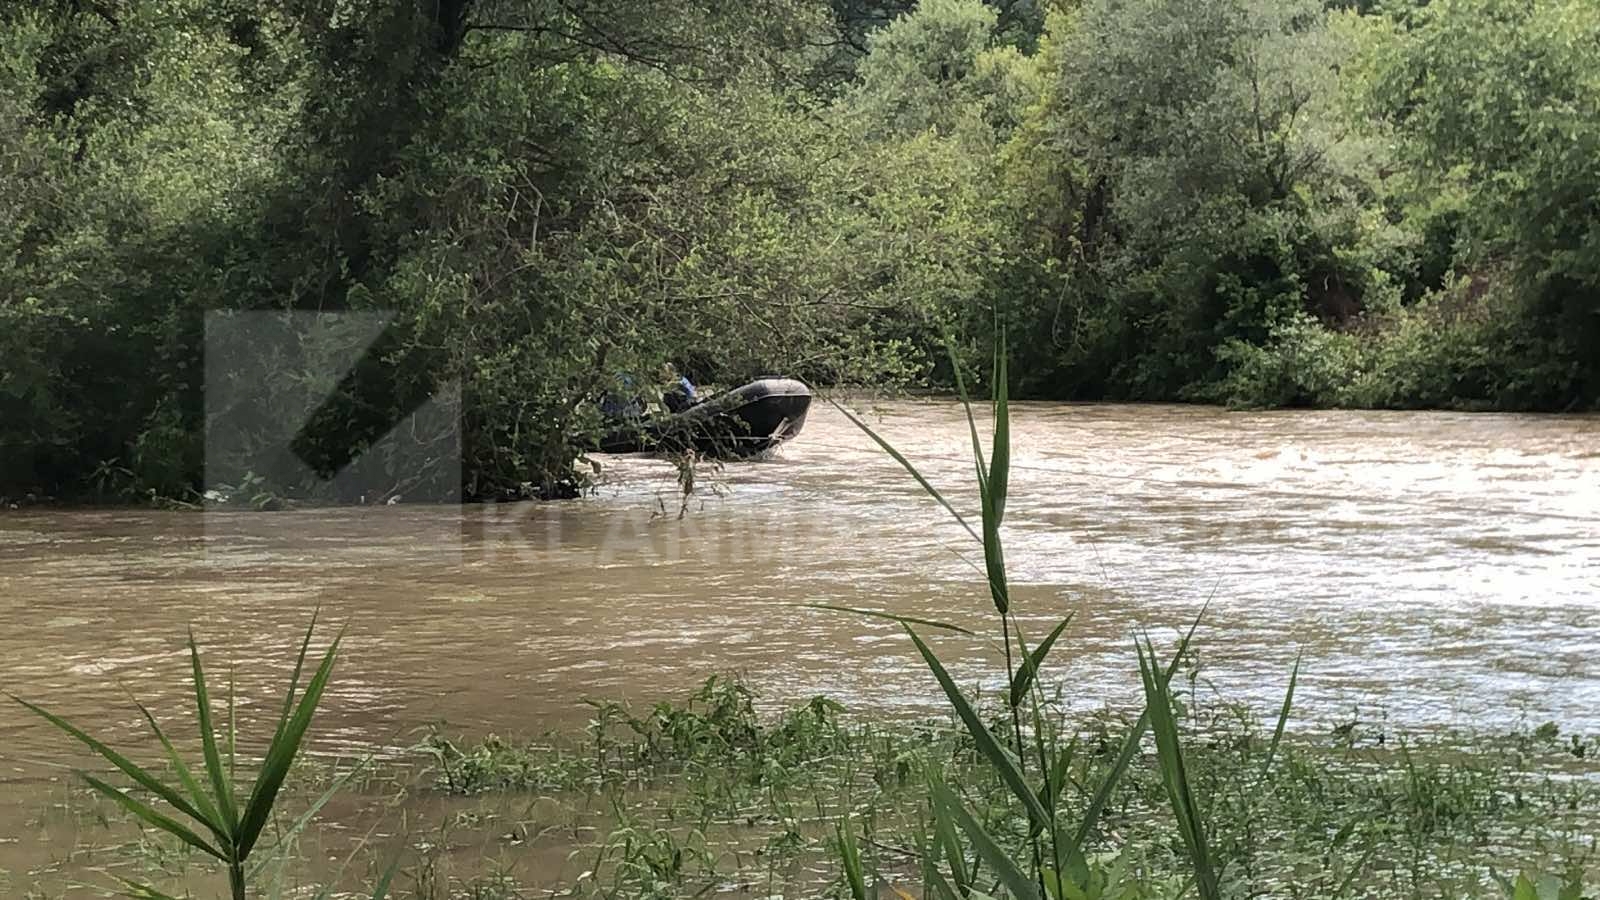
{"x": 1240, "y": 201}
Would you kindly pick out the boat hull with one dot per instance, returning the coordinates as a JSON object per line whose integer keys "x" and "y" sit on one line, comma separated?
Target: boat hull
{"x": 746, "y": 421}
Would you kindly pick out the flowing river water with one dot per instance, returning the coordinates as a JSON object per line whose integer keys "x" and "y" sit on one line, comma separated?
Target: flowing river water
{"x": 1434, "y": 569}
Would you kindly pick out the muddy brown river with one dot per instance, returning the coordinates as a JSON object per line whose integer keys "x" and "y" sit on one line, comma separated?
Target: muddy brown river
{"x": 1435, "y": 569}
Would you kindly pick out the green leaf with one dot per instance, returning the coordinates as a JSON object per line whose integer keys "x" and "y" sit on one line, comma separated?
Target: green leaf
{"x": 903, "y": 620}
{"x": 293, "y": 831}
{"x": 972, "y": 424}
{"x": 1174, "y": 774}
{"x": 1002, "y": 761}
{"x": 144, "y": 812}
{"x": 1058, "y": 771}
{"x": 294, "y": 677}
{"x": 280, "y": 756}
{"x": 1030, "y": 665}
{"x": 220, "y": 783}
{"x": 937, "y": 884}
{"x": 203, "y": 803}
{"x": 1130, "y": 744}
{"x": 233, "y": 724}
{"x": 1000, "y": 466}
{"x": 991, "y": 485}
{"x": 145, "y": 779}
{"x": 1283, "y": 719}
{"x": 944, "y": 832}
{"x": 1068, "y": 853}
{"x": 1011, "y": 875}
{"x": 1572, "y": 885}
{"x": 906, "y": 464}
{"x": 850, "y": 856}
{"x": 994, "y": 561}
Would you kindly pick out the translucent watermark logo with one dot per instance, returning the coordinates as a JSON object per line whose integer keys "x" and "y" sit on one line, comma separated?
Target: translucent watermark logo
{"x": 534, "y": 536}
{"x": 328, "y": 410}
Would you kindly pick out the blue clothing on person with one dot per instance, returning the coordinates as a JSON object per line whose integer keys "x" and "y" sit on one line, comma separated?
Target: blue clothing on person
{"x": 680, "y": 396}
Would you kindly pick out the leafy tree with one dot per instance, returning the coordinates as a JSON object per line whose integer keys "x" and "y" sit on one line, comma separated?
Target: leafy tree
{"x": 1196, "y": 176}
{"x": 1247, "y": 201}
{"x": 1498, "y": 106}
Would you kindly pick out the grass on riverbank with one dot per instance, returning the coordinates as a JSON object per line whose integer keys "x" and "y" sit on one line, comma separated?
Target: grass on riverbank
{"x": 706, "y": 797}
{"x": 709, "y": 797}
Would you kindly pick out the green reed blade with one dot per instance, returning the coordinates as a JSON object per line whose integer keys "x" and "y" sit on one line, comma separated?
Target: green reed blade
{"x": 1002, "y": 761}
{"x": 850, "y": 856}
{"x": 1174, "y": 774}
{"x": 381, "y": 889}
{"x": 233, "y": 723}
{"x": 903, "y": 620}
{"x": 149, "y": 815}
{"x": 907, "y": 465}
{"x": 929, "y": 850}
{"x": 1056, "y": 778}
{"x": 294, "y": 679}
{"x": 1032, "y": 662}
{"x": 281, "y": 754}
{"x": 1283, "y": 718}
{"x": 938, "y": 886}
{"x": 1016, "y": 881}
{"x": 944, "y": 832}
{"x": 1068, "y": 854}
{"x": 220, "y": 783}
{"x": 972, "y": 424}
{"x": 1056, "y": 783}
{"x": 144, "y": 778}
{"x": 1524, "y": 888}
{"x": 994, "y": 562}
{"x": 1055, "y": 886}
{"x": 992, "y": 486}
{"x": 1130, "y": 749}
{"x": 138, "y": 891}
{"x": 1000, "y": 464}
{"x": 288, "y": 835}
{"x": 1130, "y": 744}
{"x": 203, "y": 803}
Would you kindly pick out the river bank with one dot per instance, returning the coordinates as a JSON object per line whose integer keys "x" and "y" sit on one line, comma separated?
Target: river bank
{"x": 706, "y": 796}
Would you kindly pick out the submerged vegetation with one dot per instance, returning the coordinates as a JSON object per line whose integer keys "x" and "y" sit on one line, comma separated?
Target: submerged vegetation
{"x": 1255, "y": 202}
{"x": 720, "y": 795}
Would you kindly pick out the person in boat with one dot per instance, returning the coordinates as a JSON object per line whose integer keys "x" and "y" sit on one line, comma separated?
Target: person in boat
{"x": 626, "y": 405}
{"x": 679, "y": 394}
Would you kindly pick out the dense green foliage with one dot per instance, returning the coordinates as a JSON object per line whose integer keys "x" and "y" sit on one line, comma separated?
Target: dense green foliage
{"x": 1240, "y": 201}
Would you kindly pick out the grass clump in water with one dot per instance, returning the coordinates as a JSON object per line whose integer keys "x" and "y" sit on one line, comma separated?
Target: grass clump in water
{"x": 711, "y": 796}
{"x": 222, "y": 822}
{"x": 1340, "y": 813}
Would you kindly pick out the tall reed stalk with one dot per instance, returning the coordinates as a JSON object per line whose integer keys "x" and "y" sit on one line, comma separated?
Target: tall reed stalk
{"x": 1055, "y": 863}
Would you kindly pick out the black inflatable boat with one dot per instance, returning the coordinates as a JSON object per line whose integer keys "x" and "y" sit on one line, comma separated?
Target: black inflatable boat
{"x": 742, "y": 422}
